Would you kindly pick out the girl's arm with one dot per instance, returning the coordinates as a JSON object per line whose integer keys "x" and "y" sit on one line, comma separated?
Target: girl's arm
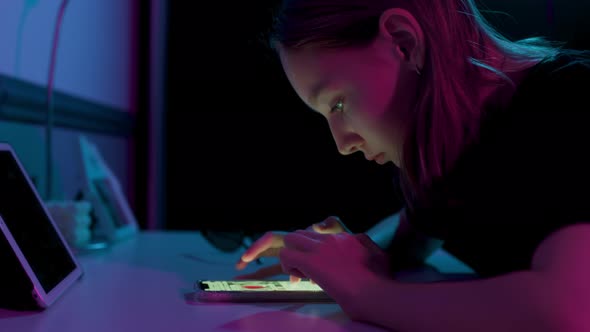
{"x": 553, "y": 296}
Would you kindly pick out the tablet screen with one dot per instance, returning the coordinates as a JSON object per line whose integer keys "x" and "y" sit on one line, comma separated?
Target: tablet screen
{"x": 30, "y": 226}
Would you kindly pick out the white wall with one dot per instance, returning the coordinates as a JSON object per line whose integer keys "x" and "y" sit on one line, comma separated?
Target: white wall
{"x": 95, "y": 54}
{"x": 95, "y": 61}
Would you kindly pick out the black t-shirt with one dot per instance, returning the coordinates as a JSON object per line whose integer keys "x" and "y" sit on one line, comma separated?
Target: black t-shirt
{"x": 527, "y": 176}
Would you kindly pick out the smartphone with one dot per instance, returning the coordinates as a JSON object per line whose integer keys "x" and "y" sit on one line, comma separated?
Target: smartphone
{"x": 259, "y": 291}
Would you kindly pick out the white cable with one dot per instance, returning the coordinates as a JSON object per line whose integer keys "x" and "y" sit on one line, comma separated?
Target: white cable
{"x": 49, "y": 124}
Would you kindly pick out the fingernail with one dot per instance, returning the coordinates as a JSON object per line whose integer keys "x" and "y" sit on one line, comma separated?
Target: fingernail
{"x": 321, "y": 225}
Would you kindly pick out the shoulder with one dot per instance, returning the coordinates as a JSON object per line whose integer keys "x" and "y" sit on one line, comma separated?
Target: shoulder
{"x": 537, "y": 146}
{"x": 566, "y": 74}
{"x": 553, "y": 98}
{"x": 566, "y": 64}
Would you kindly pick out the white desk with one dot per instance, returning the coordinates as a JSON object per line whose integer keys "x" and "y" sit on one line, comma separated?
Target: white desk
{"x": 142, "y": 284}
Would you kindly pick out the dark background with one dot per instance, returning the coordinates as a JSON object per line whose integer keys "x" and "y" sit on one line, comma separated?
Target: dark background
{"x": 242, "y": 149}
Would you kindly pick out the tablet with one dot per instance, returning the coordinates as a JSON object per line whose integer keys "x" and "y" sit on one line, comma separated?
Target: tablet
{"x": 38, "y": 265}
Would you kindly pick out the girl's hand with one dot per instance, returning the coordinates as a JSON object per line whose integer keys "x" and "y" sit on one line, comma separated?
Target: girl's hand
{"x": 271, "y": 244}
{"x": 342, "y": 264}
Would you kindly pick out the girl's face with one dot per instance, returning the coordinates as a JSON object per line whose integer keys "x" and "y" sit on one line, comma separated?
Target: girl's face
{"x": 366, "y": 94}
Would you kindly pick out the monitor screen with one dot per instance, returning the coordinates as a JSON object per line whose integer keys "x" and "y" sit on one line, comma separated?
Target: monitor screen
{"x": 30, "y": 226}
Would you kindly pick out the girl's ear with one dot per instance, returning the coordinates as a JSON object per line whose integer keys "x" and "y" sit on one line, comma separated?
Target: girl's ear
{"x": 404, "y": 32}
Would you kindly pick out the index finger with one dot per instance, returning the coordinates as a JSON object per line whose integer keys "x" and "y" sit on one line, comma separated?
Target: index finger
{"x": 262, "y": 273}
{"x": 268, "y": 240}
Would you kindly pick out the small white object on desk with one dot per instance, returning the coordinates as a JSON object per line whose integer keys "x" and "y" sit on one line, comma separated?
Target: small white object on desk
{"x": 73, "y": 220}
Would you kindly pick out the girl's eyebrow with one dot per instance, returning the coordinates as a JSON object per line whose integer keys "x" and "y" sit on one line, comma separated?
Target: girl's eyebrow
{"x": 317, "y": 90}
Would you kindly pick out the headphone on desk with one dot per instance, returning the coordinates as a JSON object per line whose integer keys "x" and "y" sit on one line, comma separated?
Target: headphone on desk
{"x": 230, "y": 241}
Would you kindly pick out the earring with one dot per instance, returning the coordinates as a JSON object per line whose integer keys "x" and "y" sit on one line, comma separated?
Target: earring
{"x": 418, "y": 71}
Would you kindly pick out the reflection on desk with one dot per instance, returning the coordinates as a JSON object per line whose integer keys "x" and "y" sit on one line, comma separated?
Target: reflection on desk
{"x": 145, "y": 284}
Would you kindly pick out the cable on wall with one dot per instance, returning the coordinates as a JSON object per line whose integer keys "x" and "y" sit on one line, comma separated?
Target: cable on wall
{"x": 50, "y": 110}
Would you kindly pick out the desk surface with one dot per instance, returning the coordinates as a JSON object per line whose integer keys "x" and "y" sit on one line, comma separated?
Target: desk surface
{"x": 145, "y": 283}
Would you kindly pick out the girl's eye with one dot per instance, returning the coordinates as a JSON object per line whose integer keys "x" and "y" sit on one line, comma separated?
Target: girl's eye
{"x": 338, "y": 107}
